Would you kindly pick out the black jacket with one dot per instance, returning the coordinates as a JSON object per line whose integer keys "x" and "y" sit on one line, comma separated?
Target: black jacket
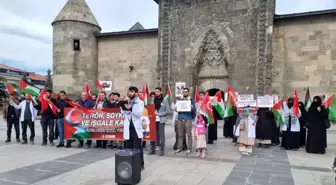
{"x": 61, "y": 104}
{"x": 107, "y": 104}
{"x": 48, "y": 112}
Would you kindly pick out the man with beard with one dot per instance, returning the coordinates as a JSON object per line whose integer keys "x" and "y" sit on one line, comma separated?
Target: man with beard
{"x": 47, "y": 121}
{"x": 27, "y": 117}
{"x": 132, "y": 124}
{"x": 162, "y": 110}
{"x": 61, "y": 104}
{"x": 12, "y": 117}
{"x": 89, "y": 104}
{"x": 184, "y": 123}
{"x": 103, "y": 103}
{"x": 316, "y": 117}
{"x": 291, "y": 128}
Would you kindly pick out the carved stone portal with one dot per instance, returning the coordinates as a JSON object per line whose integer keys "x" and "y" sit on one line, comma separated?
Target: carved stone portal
{"x": 211, "y": 61}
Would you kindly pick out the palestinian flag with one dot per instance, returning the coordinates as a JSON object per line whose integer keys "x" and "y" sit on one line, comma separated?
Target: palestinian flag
{"x": 206, "y": 109}
{"x": 278, "y": 112}
{"x": 197, "y": 98}
{"x": 168, "y": 96}
{"x": 99, "y": 88}
{"x": 307, "y": 101}
{"x": 331, "y": 104}
{"x": 229, "y": 106}
{"x": 146, "y": 95}
{"x": 25, "y": 88}
{"x": 218, "y": 103}
{"x": 10, "y": 89}
{"x": 296, "y": 104}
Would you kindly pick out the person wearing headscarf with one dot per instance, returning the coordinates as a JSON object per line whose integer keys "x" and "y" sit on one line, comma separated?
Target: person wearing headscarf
{"x": 303, "y": 130}
{"x": 316, "y": 117}
{"x": 264, "y": 128}
{"x": 291, "y": 128}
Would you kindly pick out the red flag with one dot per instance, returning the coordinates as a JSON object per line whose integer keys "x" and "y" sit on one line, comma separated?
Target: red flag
{"x": 206, "y": 109}
{"x": 296, "y": 104}
{"x": 9, "y": 88}
{"x": 42, "y": 93}
{"x": 197, "y": 98}
{"x": 22, "y": 85}
{"x": 230, "y": 90}
{"x": 44, "y": 104}
{"x": 51, "y": 105}
{"x": 74, "y": 104}
{"x": 87, "y": 89}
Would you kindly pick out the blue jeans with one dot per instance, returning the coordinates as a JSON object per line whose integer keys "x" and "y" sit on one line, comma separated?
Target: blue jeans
{"x": 60, "y": 124}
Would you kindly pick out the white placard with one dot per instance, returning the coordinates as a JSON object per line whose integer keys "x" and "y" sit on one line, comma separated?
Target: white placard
{"x": 275, "y": 97}
{"x": 251, "y": 103}
{"x": 179, "y": 88}
{"x": 106, "y": 85}
{"x": 226, "y": 96}
{"x": 265, "y": 101}
{"x": 245, "y": 97}
{"x": 183, "y": 106}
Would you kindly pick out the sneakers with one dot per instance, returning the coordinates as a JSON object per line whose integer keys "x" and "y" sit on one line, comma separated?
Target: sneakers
{"x": 24, "y": 143}
{"x": 18, "y": 140}
{"x": 32, "y": 142}
{"x": 151, "y": 152}
{"x": 188, "y": 152}
{"x": 7, "y": 140}
{"x": 44, "y": 144}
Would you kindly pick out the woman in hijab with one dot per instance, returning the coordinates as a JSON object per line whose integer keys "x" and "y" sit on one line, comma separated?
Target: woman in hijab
{"x": 316, "y": 139}
{"x": 303, "y": 130}
{"x": 291, "y": 128}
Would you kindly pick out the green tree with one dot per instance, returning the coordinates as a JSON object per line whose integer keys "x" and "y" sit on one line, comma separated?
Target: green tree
{"x": 49, "y": 83}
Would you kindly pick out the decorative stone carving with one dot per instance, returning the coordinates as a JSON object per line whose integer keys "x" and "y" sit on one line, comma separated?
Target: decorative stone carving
{"x": 210, "y": 62}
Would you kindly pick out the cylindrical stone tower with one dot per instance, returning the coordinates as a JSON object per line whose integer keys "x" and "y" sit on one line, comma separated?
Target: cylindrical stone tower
{"x": 75, "y": 48}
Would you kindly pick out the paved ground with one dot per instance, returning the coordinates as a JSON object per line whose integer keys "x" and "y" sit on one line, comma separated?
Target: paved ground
{"x": 37, "y": 165}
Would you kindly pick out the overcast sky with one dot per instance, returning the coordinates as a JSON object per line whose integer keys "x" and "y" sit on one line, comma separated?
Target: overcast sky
{"x": 26, "y": 32}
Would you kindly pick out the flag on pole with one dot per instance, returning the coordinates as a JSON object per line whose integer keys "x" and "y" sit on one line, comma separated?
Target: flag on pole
{"x": 146, "y": 94}
{"x": 229, "y": 106}
{"x": 168, "y": 96}
{"x": 99, "y": 88}
{"x": 307, "y": 101}
{"x": 331, "y": 105}
{"x": 197, "y": 98}
{"x": 10, "y": 88}
{"x": 87, "y": 89}
{"x": 206, "y": 109}
{"x": 31, "y": 90}
{"x": 278, "y": 112}
{"x": 296, "y": 104}
{"x": 234, "y": 94}
{"x": 218, "y": 103}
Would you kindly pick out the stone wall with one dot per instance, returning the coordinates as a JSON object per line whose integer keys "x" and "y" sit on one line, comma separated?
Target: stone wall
{"x": 117, "y": 53}
{"x": 304, "y": 51}
{"x": 72, "y": 69}
{"x": 234, "y": 34}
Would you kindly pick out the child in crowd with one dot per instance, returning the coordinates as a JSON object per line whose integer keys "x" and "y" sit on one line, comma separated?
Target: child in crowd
{"x": 200, "y": 136}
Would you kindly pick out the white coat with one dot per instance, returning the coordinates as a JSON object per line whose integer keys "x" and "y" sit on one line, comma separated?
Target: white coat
{"x": 135, "y": 116}
{"x": 22, "y": 106}
{"x": 295, "y": 123}
{"x": 251, "y": 133}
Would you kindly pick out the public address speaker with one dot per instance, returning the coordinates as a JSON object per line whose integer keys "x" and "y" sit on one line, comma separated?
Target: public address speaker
{"x": 128, "y": 167}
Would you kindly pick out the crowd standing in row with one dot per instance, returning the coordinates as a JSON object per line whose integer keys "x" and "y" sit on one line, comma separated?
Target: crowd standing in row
{"x": 245, "y": 129}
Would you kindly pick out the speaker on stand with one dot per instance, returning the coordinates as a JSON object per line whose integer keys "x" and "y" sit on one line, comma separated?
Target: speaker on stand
{"x": 128, "y": 167}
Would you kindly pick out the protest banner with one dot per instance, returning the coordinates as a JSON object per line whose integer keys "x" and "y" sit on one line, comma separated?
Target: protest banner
{"x": 245, "y": 97}
{"x": 104, "y": 124}
{"x": 265, "y": 101}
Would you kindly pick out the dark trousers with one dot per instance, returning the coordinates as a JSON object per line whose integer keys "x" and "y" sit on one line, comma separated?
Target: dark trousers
{"x": 160, "y": 137}
{"x": 47, "y": 122}
{"x": 88, "y": 142}
{"x": 30, "y": 124}
{"x": 56, "y": 132}
{"x": 10, "y": 123}
{"x": 100, "y": 143}
{"x": 135, "y": 142}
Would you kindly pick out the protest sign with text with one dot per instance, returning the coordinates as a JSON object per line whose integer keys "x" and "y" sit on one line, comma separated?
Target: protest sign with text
{"x": 104, "y": 124}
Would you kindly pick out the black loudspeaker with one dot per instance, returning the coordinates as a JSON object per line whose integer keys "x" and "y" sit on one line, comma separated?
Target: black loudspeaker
{"x": 128, "y": 167}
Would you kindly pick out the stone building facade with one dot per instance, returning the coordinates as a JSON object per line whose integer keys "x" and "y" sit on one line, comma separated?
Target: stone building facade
{"x": 205, "y": 43}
